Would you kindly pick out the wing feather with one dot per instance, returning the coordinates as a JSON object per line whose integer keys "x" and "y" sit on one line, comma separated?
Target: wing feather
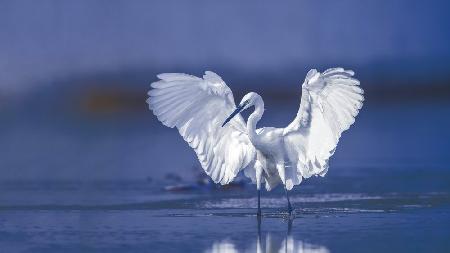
{"x": 197, "y": 108}
{"x": 330, "y": 102}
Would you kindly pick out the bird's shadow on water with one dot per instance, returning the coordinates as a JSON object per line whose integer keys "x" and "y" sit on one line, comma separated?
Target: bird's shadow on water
{"x": 268, "y": 242}
{"x": 265, "y": 240}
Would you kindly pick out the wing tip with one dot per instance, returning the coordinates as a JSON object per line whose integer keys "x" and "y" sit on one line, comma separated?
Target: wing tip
{"x": 338, "y": 71}
{"x": 168, "y": 77}
{"x": 211, "y": 76}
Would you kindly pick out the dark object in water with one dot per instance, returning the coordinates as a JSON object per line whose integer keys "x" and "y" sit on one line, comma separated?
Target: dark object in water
{"x": 204, "y": 183}
{"x": 173, "y": 177}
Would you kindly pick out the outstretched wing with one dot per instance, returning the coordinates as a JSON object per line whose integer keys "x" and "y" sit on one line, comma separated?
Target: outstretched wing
{"x": 330, "y": 102}
{"x": 198, "y": 107}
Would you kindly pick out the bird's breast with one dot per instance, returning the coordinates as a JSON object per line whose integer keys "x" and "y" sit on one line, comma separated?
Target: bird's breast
{"x": 269, "y": 141}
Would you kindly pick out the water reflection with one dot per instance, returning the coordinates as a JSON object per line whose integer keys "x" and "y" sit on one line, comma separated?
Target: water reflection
{"x": 268, "y": 242}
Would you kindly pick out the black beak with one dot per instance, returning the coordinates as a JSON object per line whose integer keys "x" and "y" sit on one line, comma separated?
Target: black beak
{"x": 238, "y": 110}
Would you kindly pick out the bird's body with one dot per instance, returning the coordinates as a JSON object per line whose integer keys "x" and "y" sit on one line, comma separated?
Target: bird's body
{"x": 206, "y": 116}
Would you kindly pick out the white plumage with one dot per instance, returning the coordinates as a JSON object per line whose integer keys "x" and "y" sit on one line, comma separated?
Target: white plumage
{"x": 198, "y": 107}
{"x": 206, "y": 116}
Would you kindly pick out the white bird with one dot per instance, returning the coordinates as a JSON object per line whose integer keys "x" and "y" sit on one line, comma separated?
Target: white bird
{"x": 204, "y": 112}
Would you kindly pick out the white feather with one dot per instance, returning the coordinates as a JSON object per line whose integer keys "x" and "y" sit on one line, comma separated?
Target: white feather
{"x": 198, "y": 107}
{"x": 329, "y": 105}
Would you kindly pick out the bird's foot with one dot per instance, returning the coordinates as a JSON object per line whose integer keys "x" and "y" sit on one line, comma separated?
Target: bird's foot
{"x": 291, "y": 213}
{"x": 290, "y": 209}
{"x": 259, "y": 218}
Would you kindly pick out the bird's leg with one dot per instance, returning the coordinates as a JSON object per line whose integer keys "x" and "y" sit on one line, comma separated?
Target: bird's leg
{"x": 282, "y": 173}
{"x": 258, "y": 169}
{"x": 290, "y": 209}
{"x": 259, "y": 203}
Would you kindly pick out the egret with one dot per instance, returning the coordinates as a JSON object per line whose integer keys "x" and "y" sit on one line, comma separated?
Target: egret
{"x": 206, "y": 116}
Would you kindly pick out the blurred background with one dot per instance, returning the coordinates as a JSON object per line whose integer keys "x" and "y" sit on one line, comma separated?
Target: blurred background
{"x": 86, "y": 167}
{"x": 74, "y": 77}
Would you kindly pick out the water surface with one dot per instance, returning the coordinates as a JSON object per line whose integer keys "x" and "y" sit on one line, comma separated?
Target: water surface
{"x": 355, "y": 210}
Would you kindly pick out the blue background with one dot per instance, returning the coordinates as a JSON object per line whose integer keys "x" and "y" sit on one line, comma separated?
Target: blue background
{"x": 74, "y": 77}
{"x": 84, "y": 163}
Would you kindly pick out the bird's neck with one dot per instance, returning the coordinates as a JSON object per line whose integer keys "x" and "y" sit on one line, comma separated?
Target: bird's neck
{"x": 253, "y": 120}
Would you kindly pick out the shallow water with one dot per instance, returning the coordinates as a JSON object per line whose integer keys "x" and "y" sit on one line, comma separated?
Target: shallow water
{"x": 388, "y": 189}
{"x": 351, "y": 211}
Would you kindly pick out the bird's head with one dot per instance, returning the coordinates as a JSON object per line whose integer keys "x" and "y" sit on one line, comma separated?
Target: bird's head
{"x": 247, "y": 101}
